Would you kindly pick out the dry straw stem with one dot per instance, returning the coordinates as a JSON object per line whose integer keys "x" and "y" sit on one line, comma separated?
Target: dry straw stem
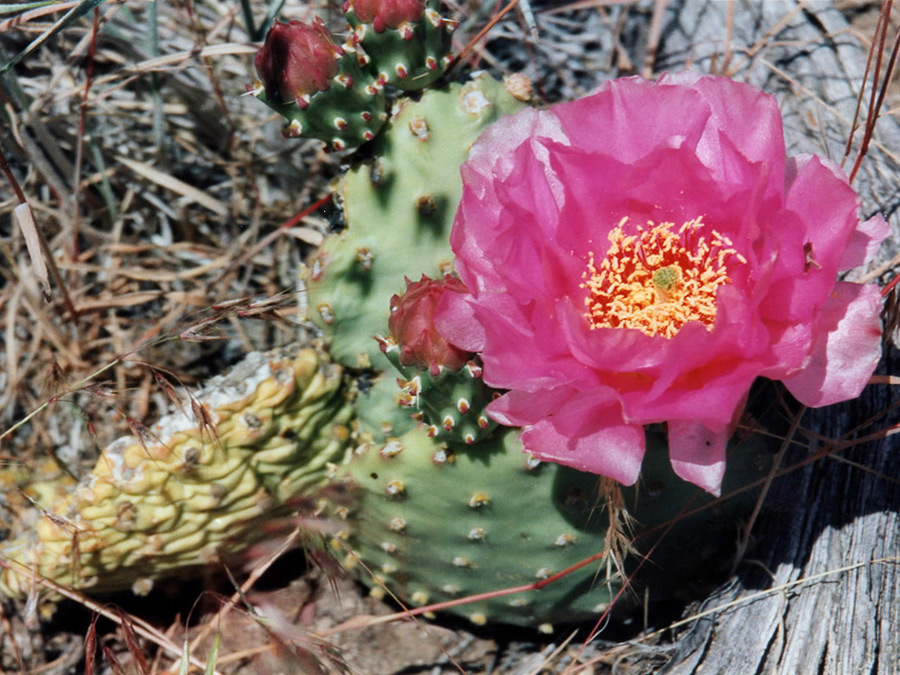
{"x": 109, "y": 272}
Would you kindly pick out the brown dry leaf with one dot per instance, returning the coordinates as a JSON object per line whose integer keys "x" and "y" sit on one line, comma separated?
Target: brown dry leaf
{"x": 25, "y": 219}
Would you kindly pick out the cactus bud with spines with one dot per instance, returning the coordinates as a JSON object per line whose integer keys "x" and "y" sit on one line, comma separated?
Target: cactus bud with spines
{"x": 408, "y": 40}
{"x": 441, "y": 385}
{"x": 297, "y": 60}
{"x": 412, "y": 328}
{"x": 323, "y": 91}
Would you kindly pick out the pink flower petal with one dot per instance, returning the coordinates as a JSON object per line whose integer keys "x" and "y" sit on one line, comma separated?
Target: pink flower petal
{"x": 545, "y": 194}
{"x": 588, "y": 435}
{"x": 814, "y": 240}
{"x": 748, "y": 118}
{"x": 698, "y": 454}
{"x": 846, "y": 349}
{"x": 630, "y": 117}
{"x": 865, "y": 242}
{"x": 454, "y": 317}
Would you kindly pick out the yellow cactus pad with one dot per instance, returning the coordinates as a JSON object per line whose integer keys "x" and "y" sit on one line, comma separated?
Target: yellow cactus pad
{"x": 193, "y": 489}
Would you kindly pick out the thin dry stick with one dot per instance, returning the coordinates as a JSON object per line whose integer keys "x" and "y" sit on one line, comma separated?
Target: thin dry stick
{"x": 875, "y": 110}
{"x": 82, "y": 131}
{"x": 747, "y": 599}
{"x": 11, "y": 636}
{"x": 862, "y": 90}
{"x": 654, "y": 34}
{"x": 141, "y": 627}
{"x": 272, "y": 236}
{"x": 254, "y": 576}
{"x": 744, "y": 541}
{"x": 484, "y": 31}
{"x": 729, "y": 36}
{"x": 584, "y": 4}
{"x": 769, "y": 34}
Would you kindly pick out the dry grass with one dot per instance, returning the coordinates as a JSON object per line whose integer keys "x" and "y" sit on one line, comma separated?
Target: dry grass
{"x": 160, "y": 241}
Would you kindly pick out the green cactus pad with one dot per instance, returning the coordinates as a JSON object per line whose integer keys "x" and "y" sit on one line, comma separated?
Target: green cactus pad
{"x": 410, "y": 57}
{"x": 437, "y": 522}
{"x": 399, "y": 208}
{"x": 379, "y": 414}
{"x": 188, "y": 492}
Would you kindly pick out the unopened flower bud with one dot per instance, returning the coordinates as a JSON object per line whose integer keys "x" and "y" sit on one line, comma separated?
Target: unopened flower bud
{"x": 297, "y": 60}
{"x": 386, "y": 13}
{"x": 412, "y": 325}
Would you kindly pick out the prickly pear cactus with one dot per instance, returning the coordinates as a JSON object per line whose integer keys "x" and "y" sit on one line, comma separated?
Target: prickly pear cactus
{"x": 446, "y": 503}
{"x": 407, "y": 40}
{"x": 440, "y": 521}
{"x": 189, "y": 491}
{"x": 399, "y": 208}
{"x": 322, "y": 90}
{"x": 451, "y": 404}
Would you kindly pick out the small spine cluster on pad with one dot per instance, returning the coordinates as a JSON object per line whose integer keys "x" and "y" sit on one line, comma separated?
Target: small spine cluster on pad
{"x": 335, "y": 92}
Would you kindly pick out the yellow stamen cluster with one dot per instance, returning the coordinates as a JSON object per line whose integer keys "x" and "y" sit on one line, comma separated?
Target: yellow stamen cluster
{"x": 658, "y": 279}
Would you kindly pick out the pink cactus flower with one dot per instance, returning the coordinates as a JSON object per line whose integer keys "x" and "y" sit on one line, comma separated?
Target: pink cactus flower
{"x": 642, "y": 255}
{"x": 384, "y": 14}
{"x": 297, "y": 60}
{"x": 411, "y": 325}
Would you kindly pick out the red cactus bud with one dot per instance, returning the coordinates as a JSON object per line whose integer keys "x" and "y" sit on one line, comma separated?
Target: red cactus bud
{"x": 297, "y": 60}
{"x": 412, "y": 325}
{"x": 387, "y": 13}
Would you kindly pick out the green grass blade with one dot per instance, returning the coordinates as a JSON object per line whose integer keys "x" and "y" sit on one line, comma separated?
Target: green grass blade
{"x": 213, "y": 654}
{"x": 274, "y": 7}
{"x": 185, "y": 663}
